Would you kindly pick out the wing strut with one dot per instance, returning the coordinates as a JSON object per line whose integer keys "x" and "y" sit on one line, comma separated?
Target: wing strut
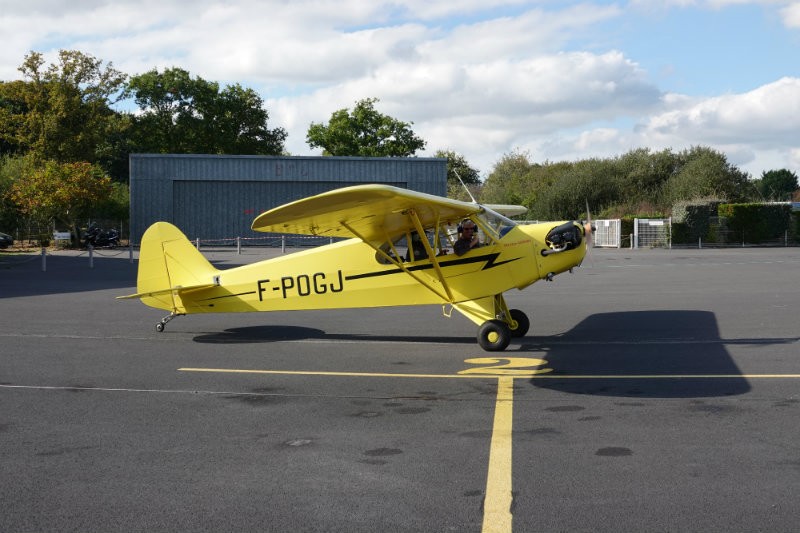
{"x": 431, "y": 252}
{"x": 447, "y": 296}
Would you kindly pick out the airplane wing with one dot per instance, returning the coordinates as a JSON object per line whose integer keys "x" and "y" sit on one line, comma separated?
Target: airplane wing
{"x": 507, "y": 210}
{"x": 369, "y": 212}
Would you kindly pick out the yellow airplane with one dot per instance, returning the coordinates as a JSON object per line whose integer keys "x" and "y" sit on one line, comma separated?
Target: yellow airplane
{"x": 375, "y": 266}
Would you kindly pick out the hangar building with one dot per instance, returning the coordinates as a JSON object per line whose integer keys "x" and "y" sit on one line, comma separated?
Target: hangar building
{"x": 216, "y": 197}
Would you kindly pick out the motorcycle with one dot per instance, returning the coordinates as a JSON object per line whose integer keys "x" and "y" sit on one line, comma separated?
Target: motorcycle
{"x": 99, "y": 238}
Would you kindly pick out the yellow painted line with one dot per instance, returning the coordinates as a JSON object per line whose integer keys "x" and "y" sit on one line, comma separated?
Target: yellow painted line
{"x": 335, "y": 374}
{"x": 668, "y": 376}
{"x": 490, "y": 375}
{"x": 497, "y": 517}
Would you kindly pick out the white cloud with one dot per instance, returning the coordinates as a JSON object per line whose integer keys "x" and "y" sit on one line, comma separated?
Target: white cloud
{"x": 475, "y": 79}
{"x": 791, "y": 15}
{"x": 757, "y": 130}
{"x": 767, "y": 115}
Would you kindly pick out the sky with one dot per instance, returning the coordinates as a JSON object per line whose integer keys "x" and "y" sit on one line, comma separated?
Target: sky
{"x": 556, "y": 80}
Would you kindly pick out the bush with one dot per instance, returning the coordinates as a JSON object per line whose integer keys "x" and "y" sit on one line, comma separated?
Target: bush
{"x": 756, "y": 223}
{"x": 691, "y": 220}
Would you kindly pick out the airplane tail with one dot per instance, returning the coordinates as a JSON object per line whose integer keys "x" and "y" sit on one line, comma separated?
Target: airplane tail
{"x": 169, "y": 265}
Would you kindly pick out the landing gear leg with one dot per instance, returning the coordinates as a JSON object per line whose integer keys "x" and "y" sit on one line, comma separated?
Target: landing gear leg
{"x": 160, "y": 325}
{"x": 519, "y": 323}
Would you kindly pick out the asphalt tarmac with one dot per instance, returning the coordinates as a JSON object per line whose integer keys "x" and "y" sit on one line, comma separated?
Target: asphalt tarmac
{"x": 658, "y": 390}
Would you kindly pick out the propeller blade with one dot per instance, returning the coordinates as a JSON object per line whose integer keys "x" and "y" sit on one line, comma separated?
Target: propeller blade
{"x": 588, "y": 228}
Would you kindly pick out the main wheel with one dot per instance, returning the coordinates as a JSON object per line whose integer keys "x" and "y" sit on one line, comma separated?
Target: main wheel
{"x": 494, "y": 336}
{"x": 523, "y": 324}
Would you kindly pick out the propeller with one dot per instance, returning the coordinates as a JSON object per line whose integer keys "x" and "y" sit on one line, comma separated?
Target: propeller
{"x": 588, "y": 227}
{"x": 588, "y": 230}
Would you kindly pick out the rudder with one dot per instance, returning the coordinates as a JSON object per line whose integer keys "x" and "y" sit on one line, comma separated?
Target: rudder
{"x": 168, "y": 260}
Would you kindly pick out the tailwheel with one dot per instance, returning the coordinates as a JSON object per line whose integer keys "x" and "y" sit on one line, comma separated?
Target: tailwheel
{"x": 160, "y": 325}
{"x": 494, "y": 336}
{"x": 522, "y": 323}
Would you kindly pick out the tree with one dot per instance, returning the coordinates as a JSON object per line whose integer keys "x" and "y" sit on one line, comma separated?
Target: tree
{"x": 62, "y": 112}
{"x": 457, "y": 167}
{"x": 365, "y": 132}
{"x": 11, "y": 168}
{"x": 777, "y": 185}
{"x": 181, "y": 114}
{"x": 706, "y": 173}
{"x": 65, "y": 192}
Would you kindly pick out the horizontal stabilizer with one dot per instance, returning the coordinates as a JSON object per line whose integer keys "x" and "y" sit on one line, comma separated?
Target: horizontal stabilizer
{"x": 177, "y": 289}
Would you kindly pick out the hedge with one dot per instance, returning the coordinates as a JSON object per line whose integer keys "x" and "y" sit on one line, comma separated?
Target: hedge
{"x": 755, "y": 223}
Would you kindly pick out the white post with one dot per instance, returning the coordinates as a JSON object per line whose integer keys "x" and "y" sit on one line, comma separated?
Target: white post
{"x": 283, "y": 244}
{"x": 239, "y": 245}
{"x": 44, "y": 259}
{"x": 91, "y": 256}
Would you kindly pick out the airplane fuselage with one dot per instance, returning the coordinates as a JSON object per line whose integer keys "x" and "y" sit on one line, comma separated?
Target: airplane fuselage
{"x": 348, "y": 274}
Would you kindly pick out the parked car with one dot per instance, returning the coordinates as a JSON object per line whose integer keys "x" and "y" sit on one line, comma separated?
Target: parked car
{"x": 6, "y": 240}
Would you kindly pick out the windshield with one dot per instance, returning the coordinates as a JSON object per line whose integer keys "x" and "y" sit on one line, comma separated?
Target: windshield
{"x": 491, "y": 226}
{"x": 496, "y": 223}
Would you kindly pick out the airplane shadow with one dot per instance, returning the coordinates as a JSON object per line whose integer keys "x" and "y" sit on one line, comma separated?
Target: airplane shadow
{"x": 622, "y": 354}
{"x": 597, "y": 354}
{"x": 274, "y": 333}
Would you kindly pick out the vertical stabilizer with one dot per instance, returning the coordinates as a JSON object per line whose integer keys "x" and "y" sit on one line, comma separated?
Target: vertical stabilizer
{"x": 168, "y": 262}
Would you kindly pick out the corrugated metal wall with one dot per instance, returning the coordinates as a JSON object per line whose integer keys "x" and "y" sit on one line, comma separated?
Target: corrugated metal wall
{"x": 217, "y": 197}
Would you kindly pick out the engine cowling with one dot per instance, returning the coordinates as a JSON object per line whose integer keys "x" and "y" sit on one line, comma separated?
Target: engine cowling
{"x": 567, "y": 236}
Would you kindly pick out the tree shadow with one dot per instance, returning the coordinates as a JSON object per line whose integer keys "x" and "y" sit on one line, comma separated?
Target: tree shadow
{"x": 659, "y": 354}
{"x": 22, "y": 276}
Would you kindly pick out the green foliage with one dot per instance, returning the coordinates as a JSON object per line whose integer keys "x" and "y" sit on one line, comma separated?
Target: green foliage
{"x": 777, "y": 185}
{"x": 181, "y": 114}
{"x": 755, "y": 223}
{"x": 516, "y": 180}
{"x": 116, "y": 205}
{"x": 704, "y": 172}
{"x": 62, "y": 112}
{"x": 11, "y": 170}
{"x": 457, "y": 167}
{"x": 691, "y": 219}
{"x": 365, "y": 132}
{"x": 506, "y": 184}
{"x": 65, "y": 192}
{"x": 640, "y": 181}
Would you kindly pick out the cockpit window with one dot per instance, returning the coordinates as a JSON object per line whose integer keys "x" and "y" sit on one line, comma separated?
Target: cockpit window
{"x": 496, "y": 223}
{"x": 400, "y": 251}
{"x": 490, "y": 227}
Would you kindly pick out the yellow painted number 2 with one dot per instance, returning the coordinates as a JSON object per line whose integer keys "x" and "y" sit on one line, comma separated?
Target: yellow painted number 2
{"x": 513, "y": 366}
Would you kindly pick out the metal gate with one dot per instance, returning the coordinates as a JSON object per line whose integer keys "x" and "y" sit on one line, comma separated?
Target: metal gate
{"x": 607, "y": 233}
{"x": 652, "y": 233}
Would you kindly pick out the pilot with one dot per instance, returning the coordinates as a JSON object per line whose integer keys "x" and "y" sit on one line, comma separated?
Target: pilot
{"x": 418, "y": 248}
{"x": 468, "y": 238}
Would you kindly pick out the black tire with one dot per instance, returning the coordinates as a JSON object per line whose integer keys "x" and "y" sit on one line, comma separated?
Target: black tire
{"x": 159, "y": 327}
{"x": 523, "y": 324}
{"x": 494, "y": 336}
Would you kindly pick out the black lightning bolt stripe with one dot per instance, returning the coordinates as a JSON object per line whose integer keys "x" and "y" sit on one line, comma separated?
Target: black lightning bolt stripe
{"x": 489, "y": 259}
{"x": 227, "y": 296}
